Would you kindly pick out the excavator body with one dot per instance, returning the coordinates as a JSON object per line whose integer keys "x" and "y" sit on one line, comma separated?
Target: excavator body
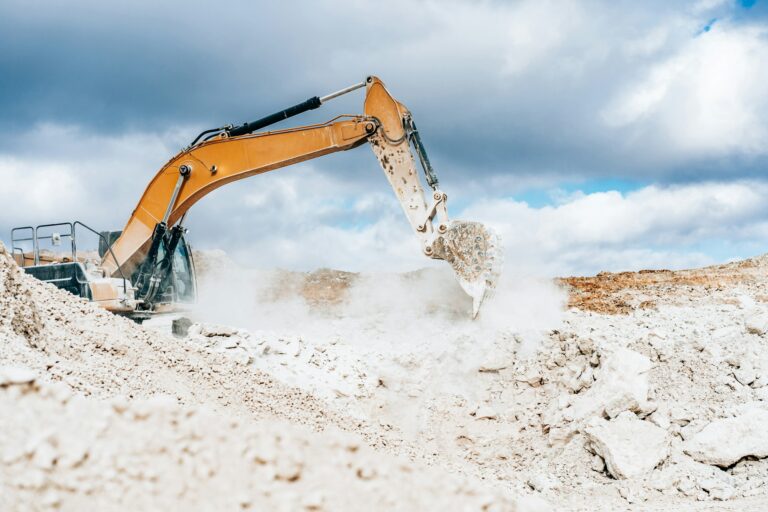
{"x": 147, "y": 266}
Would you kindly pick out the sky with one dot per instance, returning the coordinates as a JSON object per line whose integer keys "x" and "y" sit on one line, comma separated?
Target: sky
{"x": 592, "y": 135}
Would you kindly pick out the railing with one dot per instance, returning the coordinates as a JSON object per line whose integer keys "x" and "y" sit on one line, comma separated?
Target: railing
{"x": 50, "y": 237}
{"x": 35, "y": 239}
{"x": 109, "y": 248}
{"x": 30, "y": 239}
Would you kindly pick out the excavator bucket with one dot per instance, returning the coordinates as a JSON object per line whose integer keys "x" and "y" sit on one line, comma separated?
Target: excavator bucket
{"x": 474, "y": 252}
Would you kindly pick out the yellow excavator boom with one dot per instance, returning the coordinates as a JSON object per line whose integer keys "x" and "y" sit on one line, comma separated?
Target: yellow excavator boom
{"x": 232, "y": 154}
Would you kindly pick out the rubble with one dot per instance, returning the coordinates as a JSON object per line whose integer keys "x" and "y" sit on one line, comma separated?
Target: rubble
{"x": 84, "y": 455}
{"x": 630, "y": 447}
{"x": 354, "y": 391}
{"x": 98, "y": 413}
{"x": 726, "y": 441}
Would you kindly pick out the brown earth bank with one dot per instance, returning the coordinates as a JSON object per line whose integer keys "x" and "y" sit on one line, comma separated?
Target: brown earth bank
{"x": 623, "y": 292}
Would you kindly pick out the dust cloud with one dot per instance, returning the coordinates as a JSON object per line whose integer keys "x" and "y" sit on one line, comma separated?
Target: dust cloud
{"x": 376, "y": 309}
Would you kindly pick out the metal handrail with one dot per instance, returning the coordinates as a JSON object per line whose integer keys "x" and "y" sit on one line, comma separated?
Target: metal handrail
{"x": 71, "y": 236}
{"x": 33, "y": 239}
{"x": 106, "y": 244}
{"x": 21, "y": 251}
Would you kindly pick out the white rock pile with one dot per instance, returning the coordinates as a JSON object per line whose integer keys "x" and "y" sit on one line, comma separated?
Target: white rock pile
{"x": 662, "y": 408}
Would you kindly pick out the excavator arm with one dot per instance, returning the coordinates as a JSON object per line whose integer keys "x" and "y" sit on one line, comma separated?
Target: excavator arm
{"x": 234, "y": 153}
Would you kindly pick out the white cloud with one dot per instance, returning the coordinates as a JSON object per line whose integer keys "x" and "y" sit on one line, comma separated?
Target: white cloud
{"x": 519, "y": 95}
{"x": 62, "y": 174}
{"x": 707, "y": 99}
{"x": 37, "y": 191}
{"x": 651, "y": 227}
{"x": 655, "y": 226}
{"x": 304, "y": 218}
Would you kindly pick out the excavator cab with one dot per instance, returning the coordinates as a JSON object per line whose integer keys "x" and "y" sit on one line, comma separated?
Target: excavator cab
{"x": 178, "y": 284}
{"x": 50, "y": 253}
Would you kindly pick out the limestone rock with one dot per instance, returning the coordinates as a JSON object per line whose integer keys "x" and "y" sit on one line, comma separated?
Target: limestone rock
{"x": 726, "y": 441}
{"x": 10, "y": 375}
{"x": 745, "y": 374}
{"x": 211, "y": 330}
{"x": 485, "y": 412}
{"x": 621, "y": 384}
{"x": 630, "y": 446}
{"x": 756, "y": 322}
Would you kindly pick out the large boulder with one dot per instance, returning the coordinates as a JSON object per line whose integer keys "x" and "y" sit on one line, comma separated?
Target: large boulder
{"x": 630, "y": 446}
{"x": 621, "y": 384}
{"x": 726, "y": 441}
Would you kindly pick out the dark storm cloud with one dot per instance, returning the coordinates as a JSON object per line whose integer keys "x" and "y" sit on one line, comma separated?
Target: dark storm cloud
{"x": 496, "y": 87}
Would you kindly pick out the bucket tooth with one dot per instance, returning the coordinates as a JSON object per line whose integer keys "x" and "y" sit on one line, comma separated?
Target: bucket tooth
{"x": 475, "y": 254}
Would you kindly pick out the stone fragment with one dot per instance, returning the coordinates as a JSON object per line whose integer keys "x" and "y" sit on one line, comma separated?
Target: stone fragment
{"x": 597, "y": 463}
{"x": 726, "y": 441}
{"x": 680, "y": 416}
{"x": 13, "y": 375}
{"x": 230, "y": 342}
{"x": 532, "y": 377}
{"x": 180, "y": 326}
{"x": 211, "y": 330}
{"x": 620, "y": 384}
{"x": 485, "y": 412}
{"x": 660, "y": 417}
{"x": 493, "y": 365}
{"x": 718, "y": 488}
{"x": 756, "y": 322}
{"x": 586, "y": 346}
{"x": 630, "y": 446}
{"x": 745, "y": 374}
{"x": 620, "y": 403}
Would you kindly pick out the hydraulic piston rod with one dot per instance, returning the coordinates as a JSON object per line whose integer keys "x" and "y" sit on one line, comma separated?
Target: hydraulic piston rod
{"x": 342, "y": 92}
{"x": 299, "y": 108}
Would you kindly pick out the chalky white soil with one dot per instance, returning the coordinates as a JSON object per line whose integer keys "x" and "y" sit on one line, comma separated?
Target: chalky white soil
{"x": 98, "y": 413}
{"x": 340, "y": 391}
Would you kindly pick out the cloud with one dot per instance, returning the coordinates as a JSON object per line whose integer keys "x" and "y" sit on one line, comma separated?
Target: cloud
{"x": 676, "y": 226}
{"x": 509, "y": 97}
{"x": 61, "y": 173}
{"x": 655, "y": 226}
{"x": 707, "y": 100}
{"x": 534, "y": 88}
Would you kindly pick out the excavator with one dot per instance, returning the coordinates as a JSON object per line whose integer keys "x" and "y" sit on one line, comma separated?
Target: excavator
{"x": 147, "y": 267}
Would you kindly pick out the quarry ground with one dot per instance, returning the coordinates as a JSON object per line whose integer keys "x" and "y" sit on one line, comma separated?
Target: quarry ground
{"x": 343, "y": 391}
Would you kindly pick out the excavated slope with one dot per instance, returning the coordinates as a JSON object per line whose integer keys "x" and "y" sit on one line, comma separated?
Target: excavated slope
{"x": 99, "y": 413}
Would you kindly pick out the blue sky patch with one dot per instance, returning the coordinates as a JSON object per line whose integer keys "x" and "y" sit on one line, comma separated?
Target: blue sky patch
{"x": 549, "y": 196}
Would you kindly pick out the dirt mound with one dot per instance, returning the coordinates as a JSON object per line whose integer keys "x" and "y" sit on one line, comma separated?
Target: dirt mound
{"x": 623, "y": 292}
{"x": 63, "y": 452}
{"x": 660, "y": 407}
{"x": 584, "y": 409}
{"x": 98, "y": 412}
